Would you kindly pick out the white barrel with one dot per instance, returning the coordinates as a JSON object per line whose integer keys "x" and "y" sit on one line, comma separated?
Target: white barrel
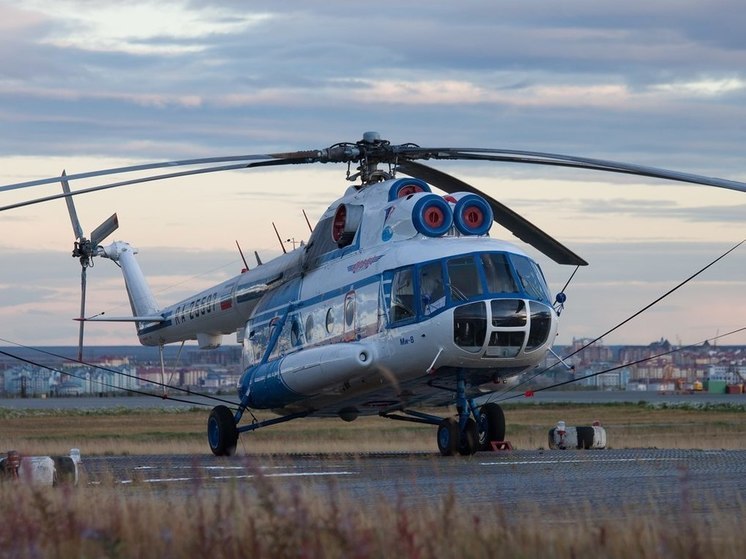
{"x": 563, "y": 437}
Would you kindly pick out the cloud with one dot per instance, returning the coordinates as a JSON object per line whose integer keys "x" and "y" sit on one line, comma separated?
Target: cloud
{"x": 661, "y": 83}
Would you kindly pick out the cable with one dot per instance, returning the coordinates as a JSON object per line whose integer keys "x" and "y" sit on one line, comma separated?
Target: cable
{"x": 626, "y": 320}
{"x": 637, "y": 362}
{"x": 113, "y": 371}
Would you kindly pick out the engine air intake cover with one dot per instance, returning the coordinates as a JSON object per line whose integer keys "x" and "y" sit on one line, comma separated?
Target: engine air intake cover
{"x": 472, "y": 215}
{"x": 432, "y": 216}
{"x": 347, "y": 219}
{"x": 405, "y": 187}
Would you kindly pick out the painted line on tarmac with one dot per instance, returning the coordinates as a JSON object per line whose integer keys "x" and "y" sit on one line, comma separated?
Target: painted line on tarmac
{"x": 579, "y": 461}
{"x": 245, "y": 476}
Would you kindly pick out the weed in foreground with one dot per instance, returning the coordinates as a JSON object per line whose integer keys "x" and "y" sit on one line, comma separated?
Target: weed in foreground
{"x": 263, "y": 519}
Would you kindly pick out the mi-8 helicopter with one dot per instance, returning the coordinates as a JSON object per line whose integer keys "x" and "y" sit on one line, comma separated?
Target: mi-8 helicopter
{"x": 399, "y": 300}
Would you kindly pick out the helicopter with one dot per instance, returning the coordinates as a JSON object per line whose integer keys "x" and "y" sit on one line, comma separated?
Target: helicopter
{"x": 400, "y": 300}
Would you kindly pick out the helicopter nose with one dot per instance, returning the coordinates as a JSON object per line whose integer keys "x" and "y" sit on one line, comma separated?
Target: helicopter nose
{"x": 508, "y": 325}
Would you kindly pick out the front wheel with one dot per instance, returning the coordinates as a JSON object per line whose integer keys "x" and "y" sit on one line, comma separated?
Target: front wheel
{"x": 491, "y": 425}
{"x": 448, "y": 437}
{"x": 469, "y": 438}
{"x": 221, "y": 431}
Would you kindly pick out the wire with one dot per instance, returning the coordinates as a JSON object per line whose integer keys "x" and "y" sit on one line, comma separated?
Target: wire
{"x": 637, "y": 362}
{"x": 113, "y": 371}
{"x": 626, "y": 320}
{"x": 570, "y": 279}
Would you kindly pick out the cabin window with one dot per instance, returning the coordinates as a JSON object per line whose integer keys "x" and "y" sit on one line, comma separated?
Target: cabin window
{"x": 464, "y": 278}
{"x": 295, "y": 338}
{"x": 349, "y": 308}
{"x": 329, "y": 320}
{"x": 432, "y": 290}
{"x": 402, "y": 295}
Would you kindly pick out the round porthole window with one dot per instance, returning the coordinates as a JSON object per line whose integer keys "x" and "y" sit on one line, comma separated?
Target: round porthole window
{"x": 295, "y": 333}
{"x": 309, "y": 327}
{"x": 329, "y": 320}
{"x": 349, "y": 310}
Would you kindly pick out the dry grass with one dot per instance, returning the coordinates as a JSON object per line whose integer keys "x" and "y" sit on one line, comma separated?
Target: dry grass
{"x": 158, "y": 432}
{"x": 265, "y": 520}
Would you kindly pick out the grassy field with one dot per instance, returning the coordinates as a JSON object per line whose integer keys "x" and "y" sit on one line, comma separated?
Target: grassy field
{"x": 266, "y": 522}
{"x": 127, "y": 431}
{"x": 261, "y": 519}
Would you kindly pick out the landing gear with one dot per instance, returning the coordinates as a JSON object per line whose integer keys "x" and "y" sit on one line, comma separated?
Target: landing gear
{"x": 452, "y": 440}
{"x": 491, "y": 425}
{"x": 222, "y": 433}
{"x": 468, "y": 439}
{"x": 448, "y": 437}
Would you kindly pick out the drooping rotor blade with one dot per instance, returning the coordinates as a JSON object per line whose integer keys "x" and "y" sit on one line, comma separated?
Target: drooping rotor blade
{"x": 540, "y": 158}
{"x": 519, "y": 226}
{"x": 142, "y": 180}
{"x": 77, "y": 229}
{"x": 286, "y": 158}
{"x": 104, "y": 230}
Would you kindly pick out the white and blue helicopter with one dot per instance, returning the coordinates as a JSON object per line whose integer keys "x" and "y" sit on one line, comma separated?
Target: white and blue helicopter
{"x": 399, "y": 300}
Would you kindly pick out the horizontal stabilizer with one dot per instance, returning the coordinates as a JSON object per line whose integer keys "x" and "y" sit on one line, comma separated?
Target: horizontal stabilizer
{"x": 149, "y": 318}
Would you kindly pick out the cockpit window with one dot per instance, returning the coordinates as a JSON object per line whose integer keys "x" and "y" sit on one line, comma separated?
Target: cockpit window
{"x": 497, "y": 272}
{"x": 463, "y": 275}
{"x": 432, "y": 290}
{"x": 531, "y": 278}
{"x": 402, "y": 296}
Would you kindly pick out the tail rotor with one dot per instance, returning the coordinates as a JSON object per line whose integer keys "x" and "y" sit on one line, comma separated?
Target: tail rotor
{"x": 85, "y": 249}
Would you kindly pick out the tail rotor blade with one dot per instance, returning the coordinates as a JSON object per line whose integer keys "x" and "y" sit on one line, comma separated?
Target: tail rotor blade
{"x": 104, "y": 230}
{"x": 77, "y": 229}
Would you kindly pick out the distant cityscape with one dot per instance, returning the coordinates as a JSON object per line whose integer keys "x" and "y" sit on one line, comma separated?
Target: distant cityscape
{"x": 113, "y": 370}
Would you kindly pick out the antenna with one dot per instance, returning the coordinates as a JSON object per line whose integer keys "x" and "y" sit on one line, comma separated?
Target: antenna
{"x": 246, "y": 265}
{"x": 282, "y": 245}
{"x": 308, "y": 222}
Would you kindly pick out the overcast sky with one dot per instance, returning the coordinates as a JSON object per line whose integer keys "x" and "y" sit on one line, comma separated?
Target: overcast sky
{"x": 95, "y": 84}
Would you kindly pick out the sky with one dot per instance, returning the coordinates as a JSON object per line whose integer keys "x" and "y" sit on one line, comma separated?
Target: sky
{"x": 87, "y": 85}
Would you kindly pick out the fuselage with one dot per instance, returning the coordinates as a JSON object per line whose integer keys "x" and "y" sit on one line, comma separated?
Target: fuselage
{"x": 385, "y": 297}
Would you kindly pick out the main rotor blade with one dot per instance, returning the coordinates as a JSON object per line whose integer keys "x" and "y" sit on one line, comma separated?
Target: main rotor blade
{"x": 151, "y": 178}
{"x": 519, "y": 226}
{"x": 104, "y": 230}
{"x": 290, "y": 157}
{"x": 541, "y": 158}
{"x": 77, "y": 229}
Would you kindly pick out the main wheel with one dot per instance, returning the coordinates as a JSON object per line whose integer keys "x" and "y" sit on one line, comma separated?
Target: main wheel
{"x": 491, "y": 425}
{"x": 221, "y": 431}
{"x": 448, "y": 436}
{"x": 468, "y": 440}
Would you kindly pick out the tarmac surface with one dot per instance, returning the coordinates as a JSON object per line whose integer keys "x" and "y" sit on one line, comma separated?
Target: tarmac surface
{"x": 564, "y": 486}
{"x": 561, "y": 485}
